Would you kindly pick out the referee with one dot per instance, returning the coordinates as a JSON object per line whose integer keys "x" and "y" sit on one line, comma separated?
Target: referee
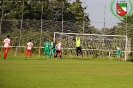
{"x": 78, "y": 46}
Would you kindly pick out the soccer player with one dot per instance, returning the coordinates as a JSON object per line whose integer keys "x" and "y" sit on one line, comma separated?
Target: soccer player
{"x": 29, "y": 49}
{"x": 118, "y": 52}
{"x": 47, "y": 48}
{"x": 78, "y": 46}
{"x": 52, "y": 48}
{"x": 58, "y": 49}
{"x": 7, "y": 43}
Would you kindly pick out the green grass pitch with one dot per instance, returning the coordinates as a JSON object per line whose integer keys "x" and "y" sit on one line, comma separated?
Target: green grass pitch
{"x": 35, "y": 72}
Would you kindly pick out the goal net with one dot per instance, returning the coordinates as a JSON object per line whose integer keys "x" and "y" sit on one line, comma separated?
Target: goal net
{"x": 95, "y": 45}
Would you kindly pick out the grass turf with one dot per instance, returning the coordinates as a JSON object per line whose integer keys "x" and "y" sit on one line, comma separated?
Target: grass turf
{"x": 35, "y": 72}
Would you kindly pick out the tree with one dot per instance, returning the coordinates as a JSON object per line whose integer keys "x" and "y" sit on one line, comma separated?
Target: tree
{"x": 53, "y": 10}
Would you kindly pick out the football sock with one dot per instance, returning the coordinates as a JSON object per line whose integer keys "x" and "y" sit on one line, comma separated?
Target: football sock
{"x": 5, "y": 55}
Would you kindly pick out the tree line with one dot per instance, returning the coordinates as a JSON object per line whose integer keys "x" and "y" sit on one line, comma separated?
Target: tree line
{"x": 54, "y": 11}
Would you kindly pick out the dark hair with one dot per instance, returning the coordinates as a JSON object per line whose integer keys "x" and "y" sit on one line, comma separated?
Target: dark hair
{"x": 8, "y": 36}
{"x": 117, "y": 45}
{"x": 30, "y": 40}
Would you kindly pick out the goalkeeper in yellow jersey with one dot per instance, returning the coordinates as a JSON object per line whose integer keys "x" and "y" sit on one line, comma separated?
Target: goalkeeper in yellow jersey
{"x": 78, "y": 46}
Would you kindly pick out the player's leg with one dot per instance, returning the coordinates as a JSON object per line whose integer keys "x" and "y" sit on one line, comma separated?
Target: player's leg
{"x": 45, "y": 52}
{"x": 26, "y": 53}
{"x": 119, "y": 53}
{"x": 30, "y": 53}
{"x": 52, "y": 52}
{"x": 48, "y": 54}
{"x": 81, "y": 51}
{"x": 77, "y": 51}
{"x": 117, "y": 57}
{"x": 56, "y": 53}
{"x": 5, "y": 52}
{"x": 60, "y": 53}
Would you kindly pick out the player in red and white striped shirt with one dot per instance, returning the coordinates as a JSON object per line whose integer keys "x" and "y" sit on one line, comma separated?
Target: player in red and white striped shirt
{"x": 58, "y": 49}
{"x": 29, "y": 48}
{"x": 7, "y": 43}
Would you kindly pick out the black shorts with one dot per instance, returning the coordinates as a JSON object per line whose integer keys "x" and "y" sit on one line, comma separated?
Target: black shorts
{"x": 58, "y": 51}
{"x": 78, "y": 49}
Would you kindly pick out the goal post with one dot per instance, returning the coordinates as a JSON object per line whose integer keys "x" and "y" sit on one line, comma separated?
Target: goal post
{"x": 98, "y": 44}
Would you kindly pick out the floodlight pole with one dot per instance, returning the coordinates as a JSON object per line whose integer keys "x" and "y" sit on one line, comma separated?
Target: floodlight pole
{"x": 83, "y": 23}
{"x": 104, "y": 25}
{"x": 84, "y": 14}
{"x": 1, "y": 17}
{"x": 41, "y": 31}
{"x": 21, "y": 27}
{"x": 62, "y": 16}
{"x": 104, "y": 18}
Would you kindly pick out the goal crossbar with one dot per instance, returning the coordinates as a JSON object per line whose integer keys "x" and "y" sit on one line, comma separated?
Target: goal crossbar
{"x": 89, "y": 34}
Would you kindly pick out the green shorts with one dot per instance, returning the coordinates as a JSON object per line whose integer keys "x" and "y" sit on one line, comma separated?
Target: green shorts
{"x": 46, "y": 50}
{"x": 52, "y": 50}
{"x": 118, "y": 52}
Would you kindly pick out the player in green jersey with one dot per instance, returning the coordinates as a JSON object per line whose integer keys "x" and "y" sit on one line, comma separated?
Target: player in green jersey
{"x": 52, "y": 48}
{"x": 118, "y": 52}
{"x": 47, "y": 48}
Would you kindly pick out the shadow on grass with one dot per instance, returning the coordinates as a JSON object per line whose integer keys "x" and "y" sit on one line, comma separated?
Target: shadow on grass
{"x": 79, "y": 58}
{"x": 132, "y": 60}
{"x": 31, "y": 59}
{"x": 37, "y": 58}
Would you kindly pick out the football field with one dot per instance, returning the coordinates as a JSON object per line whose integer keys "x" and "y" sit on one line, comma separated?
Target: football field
{"x": 36, "y": 72}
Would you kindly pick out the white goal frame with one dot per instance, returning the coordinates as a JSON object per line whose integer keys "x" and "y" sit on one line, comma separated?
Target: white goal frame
{"x": 127, "y": 43}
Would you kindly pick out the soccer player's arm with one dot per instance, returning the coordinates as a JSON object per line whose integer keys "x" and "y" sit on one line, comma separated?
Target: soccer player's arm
{"x": 32, "y": 46}
{"x": 56, "y": 45}
{"x": 10, "y": 44}
{"x": 76, "y": 38}
{"x": 61, "y": 48}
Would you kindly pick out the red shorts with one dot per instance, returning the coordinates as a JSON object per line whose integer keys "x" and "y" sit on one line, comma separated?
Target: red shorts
{"x": 58, "y": 51}
{"x": 28, "y": 51}
{"x": 6, "y": 48}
